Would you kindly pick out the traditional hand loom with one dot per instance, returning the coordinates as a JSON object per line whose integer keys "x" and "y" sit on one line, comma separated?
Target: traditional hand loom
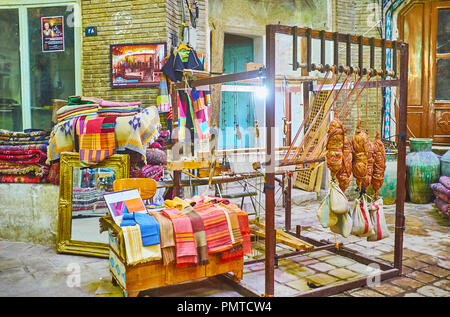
{"x": 310, "y": 149}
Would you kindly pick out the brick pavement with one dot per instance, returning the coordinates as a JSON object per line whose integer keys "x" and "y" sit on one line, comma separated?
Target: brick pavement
{"x": 35, "y": 270}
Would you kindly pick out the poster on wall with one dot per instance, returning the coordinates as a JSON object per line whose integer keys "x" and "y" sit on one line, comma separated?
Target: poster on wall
{"x": 52, "y": 30}
{"x": 136, "y": 65}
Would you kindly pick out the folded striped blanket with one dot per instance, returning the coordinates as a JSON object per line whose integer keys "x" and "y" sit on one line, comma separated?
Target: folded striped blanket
{"x": 185, "y": 247}
{"x": 22, "y": 179}
{"x": 22, "y": 169}
{"x": 118, "y": 114}
{"x": 38, "y": 147}
{"x": 65, "y": 110}
{"x": 199, "y": 234}
{"x": 135, "y": 252}
{"x": 22, "y": 156}
{"x": 244, "y": 227}
{"x": 167, "y": 237}
{"x": 218, "y": 236}
{"x": 78, "y": 114}
{"x": 116, "y": 104}
{"x": 234, "y": 223}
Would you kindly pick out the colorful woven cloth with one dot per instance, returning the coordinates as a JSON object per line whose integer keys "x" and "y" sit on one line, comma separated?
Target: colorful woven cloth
{"x": 234, "y": 223}
{"x": 136, "y": 132}
{"x": 185, "y": 247}
{"x": 244, "y": 227}
{"x": 167, "y": 237}
{"x": 98, "y": 142}
{"x": 22, "y": 179}
{"x": 156, "y": 157}
{"x": 53, "y": 174}
{"x": 199, "y": 234}
{"x": 23, "y": 156}
{"x": 441, "y": 191}
{"x": 27, "y": 137}
{"x": 163, "y": 101}
{"x": 234, "y": 253}
{"x": 38, "y": 147}
{"x": 135, "y": 252}
{"x": 148, "y": 171}
{"x": 445, "y": 180}
{"x": 62, "y": 139}
{"x": 22, "y": 169}
{"x": 216, "y": 227}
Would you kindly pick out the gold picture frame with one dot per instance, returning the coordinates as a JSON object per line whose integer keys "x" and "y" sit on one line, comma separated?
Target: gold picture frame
{"x": 65, "y": 244}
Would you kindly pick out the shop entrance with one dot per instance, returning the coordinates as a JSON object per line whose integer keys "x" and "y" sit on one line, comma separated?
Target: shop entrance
{"x": 38, "y": 58}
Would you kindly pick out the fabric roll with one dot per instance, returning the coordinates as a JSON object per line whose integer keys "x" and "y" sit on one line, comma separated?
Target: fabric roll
{"x": 167, "y": 237}
{"x": 185, "y": 247}
{"x": 199, "y": 234}
{"x": 218, "y": 236}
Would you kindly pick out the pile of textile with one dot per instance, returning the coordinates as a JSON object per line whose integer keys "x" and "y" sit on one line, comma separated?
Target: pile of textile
{"x": 187, "y": 232}
{"x": 76, "y": 107}
{"x": 156, "y": 159}
{"x": 103, "y": 136}
{"x": 23, "y": 156}
{"x": 87, "y": 199}
{"x": 441, "y": 193}
{"x": 118, "y": 109}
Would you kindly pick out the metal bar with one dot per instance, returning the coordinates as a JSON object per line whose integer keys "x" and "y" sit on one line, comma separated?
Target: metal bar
{"x": 308, "y": 52}
{"x": 394, "y": 60}
{"x": 270, "y": 175}
{"x": 383, "y": 58}
{"x": 336, "y": 52}
{"x": 372, "y": 84}
{"x": 401, "y": 157}
{"x": 362, "y": 70}
{"x": 220, "y": 79}
{"x": 329, "y": 290}
{"x": 294, "y": 49}
{"x": 348, "y": 51}
{"x": 322, "y": 50}
{"x": 315, "y": 34}
{"x": 372, "y": 53}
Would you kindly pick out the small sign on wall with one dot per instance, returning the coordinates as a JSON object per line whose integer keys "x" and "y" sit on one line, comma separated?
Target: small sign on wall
{"x": 90, "y": 31}
{"x": 52, "y": 30}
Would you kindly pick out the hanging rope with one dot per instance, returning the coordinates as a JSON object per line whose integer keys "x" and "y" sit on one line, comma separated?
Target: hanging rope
{"x": 305, "y": 119}
{"x": 295, "y": 157}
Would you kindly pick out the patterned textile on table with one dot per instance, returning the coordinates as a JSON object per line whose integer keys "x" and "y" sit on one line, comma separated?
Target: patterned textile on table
{"x": 148, "y": 171}
{"x": 185, "y": 247}
{"x": 70, "y": 112}
{"x": 98, "y": 142}
{"x": 216, "y": 227}
{"x": 156, "y": 157}
{"x": 135, "y": 252}
{"x": 234, "y": 223}
{"x": 199, "y": 234}
{"x": 167, "y": 237}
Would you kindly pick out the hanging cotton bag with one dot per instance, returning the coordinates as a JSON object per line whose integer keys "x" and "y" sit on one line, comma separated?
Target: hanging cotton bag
{"x": 338, "y": 200}
{"x": 362, "y": 223}
{"x": 326, "y": 217}
{"x": 344, "y": 225}
{"x": 379, "y": 221}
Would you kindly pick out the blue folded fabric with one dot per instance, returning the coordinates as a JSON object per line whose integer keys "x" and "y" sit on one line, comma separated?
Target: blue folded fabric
{"x": 149, "y": 228}
{"x": 128, "y": 220}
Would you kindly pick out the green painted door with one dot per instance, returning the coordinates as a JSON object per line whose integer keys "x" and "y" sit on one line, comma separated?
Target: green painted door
{"x": 237, "y": 108}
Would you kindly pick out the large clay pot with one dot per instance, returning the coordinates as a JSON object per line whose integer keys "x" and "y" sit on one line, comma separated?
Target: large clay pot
{"x": 422, "y": 169}
{"x": 389, "y": 189}
{"x": 445, "y": 164}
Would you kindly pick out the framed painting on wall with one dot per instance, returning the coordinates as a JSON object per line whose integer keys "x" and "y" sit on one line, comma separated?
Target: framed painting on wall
{"x": 136, "y": 65}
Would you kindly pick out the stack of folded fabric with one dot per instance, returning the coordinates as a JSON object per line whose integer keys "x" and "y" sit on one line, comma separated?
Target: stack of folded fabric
{"x": 23, "y": 156}
{"x": 77, "y": 107}
{"x": 118, "y": 109}
{"x": 87, "y": 199}
{"x": 156, "y": 159}
{"x": 441, "y": 193}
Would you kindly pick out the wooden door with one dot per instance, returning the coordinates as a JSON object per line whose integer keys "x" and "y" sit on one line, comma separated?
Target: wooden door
{"x": 420, "y": 24}
{"x": 440, "y": 72}
{"x": 237, "y": 108}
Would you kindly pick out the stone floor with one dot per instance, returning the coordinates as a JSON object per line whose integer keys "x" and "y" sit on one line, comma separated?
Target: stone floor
{"x": 36, "y": 270}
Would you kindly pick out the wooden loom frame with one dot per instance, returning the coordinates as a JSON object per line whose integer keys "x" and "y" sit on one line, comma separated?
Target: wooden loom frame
{"x": 387, "y": 271}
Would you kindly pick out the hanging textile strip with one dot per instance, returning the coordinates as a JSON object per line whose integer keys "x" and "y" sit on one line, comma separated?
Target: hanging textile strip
{"x": 163, "y": 99}
{"x": 99, "y": 141}
{"x": 306, "y": 118}
{"x": 202, "y": 116}
{"x": 185, "y": 247}
{"x": 218, "y": 236}
{"x": 199, "y": 234}
{"x": 135, "y": 252}
{"x": 167, "y": 237}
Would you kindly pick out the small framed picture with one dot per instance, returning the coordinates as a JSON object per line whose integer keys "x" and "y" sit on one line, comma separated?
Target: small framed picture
{"x": 136, "y": 65}
{"x": 122, "y": 202}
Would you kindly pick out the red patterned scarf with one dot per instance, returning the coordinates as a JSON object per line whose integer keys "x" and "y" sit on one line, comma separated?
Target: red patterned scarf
{"x": 199, "y": 234}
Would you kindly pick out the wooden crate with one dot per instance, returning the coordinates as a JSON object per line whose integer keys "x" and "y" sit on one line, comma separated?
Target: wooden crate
{"x": 135, "y": 278}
